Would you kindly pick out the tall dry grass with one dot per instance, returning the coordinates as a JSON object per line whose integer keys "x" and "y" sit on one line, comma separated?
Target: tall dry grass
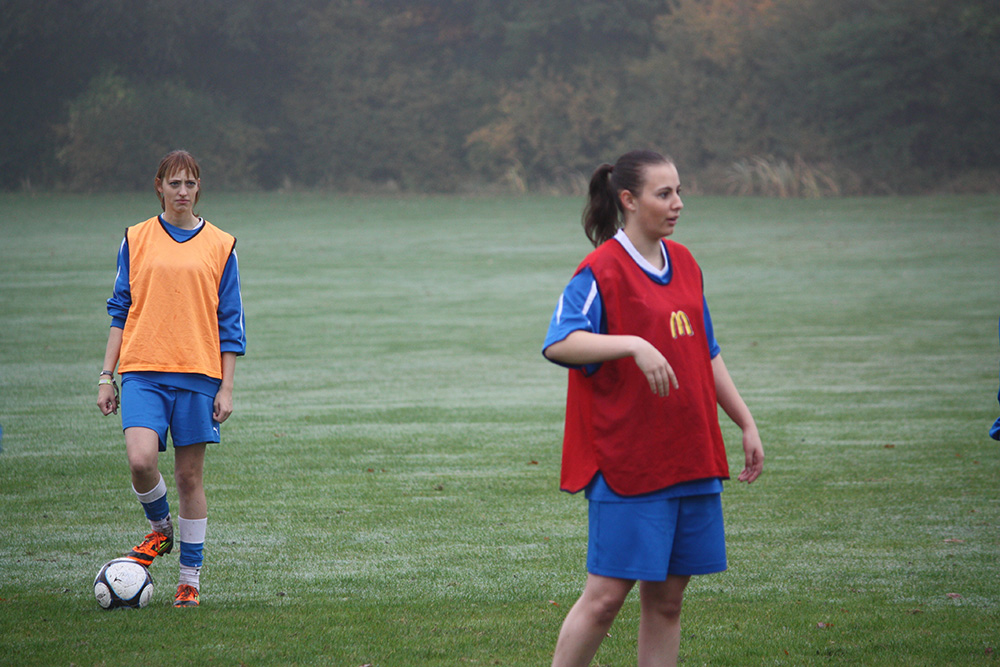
{"x": 776, "y": 177}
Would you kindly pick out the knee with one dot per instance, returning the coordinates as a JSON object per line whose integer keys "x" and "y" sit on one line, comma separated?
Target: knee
{"x": 604, "y": 608}
{"x": 669, "y": 608}
{"x": 143, "y": 467}
{"x": 186, "y": 482}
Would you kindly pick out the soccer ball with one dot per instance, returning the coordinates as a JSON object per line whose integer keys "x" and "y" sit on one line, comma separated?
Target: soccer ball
{"x": 122, "y": 582}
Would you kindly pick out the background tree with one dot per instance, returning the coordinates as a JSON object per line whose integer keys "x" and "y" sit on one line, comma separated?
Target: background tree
{"x": 442, "y": 95}
{"x": 116, "y": 130}
{"x": 382, "y": 96}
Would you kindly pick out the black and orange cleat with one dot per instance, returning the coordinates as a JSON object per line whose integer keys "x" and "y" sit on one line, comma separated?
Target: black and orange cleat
{"x": 155, "y": 544}
{"x": 187, "y": 596}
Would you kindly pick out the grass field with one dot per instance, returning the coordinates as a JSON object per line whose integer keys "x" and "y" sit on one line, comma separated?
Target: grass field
{"x": 386, "y": 492}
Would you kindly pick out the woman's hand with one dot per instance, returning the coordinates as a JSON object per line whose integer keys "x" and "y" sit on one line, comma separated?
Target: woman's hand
{"x": 585, "y": 347}
{"x": 753, "y": 452}
{"x": 655, "y": 367}
{"x": 107, "y": 390}
{"x": 224, "y": 397}
{"x": 223, "y": 405}
{"x": 732, "y": 403}
{"x": 107, "y": 399}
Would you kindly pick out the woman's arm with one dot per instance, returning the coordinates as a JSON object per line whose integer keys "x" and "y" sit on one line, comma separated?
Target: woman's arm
{"x": 232, "y": 336}
{"x": 224, "y": 397}
{"x": 107, "y": 398}
{"x": 734, "y": 406}
{"x": 585, "y": 347}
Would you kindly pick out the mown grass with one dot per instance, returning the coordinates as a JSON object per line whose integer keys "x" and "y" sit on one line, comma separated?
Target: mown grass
{"x": 386, "y": 492}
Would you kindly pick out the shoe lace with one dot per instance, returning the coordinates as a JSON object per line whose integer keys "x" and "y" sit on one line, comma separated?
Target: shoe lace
{"x": 153, "y": 540}
{"x": 186, "y": 592}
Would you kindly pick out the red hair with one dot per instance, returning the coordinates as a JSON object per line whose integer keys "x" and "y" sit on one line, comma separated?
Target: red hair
{"x": 172, "y": 163}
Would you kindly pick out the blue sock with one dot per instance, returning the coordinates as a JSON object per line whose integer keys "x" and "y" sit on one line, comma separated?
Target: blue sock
{"x": 192, "y": 538}
{"x": 154, "y": 502}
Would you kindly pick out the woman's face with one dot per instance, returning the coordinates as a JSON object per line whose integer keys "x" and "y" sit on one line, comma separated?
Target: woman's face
{"x": 179, "y": 192}
{"x": 656, "y": 209}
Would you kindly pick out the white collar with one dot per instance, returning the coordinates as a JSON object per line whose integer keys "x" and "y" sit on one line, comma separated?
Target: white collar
{"x": 643, "y": 263}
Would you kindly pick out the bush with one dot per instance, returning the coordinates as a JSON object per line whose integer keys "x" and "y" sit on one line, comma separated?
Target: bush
{"x": 117, "y": 132}
{"x": 552, "y": 130}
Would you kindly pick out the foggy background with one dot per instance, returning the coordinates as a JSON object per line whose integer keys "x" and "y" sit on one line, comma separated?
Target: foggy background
{"x": 778, "y": 97}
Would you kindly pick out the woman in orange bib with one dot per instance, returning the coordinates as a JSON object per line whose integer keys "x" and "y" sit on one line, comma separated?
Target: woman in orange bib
{"x": 176, "y": 330}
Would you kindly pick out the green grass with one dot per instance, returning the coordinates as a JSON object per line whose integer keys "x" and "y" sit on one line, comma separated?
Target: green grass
{"x": 386, "y": 491}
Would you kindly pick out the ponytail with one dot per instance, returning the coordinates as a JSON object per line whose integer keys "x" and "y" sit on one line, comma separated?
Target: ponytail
{"x": 603, "y": 215}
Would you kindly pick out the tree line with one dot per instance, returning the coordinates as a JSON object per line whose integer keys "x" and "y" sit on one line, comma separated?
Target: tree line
{"x": 787, "y": 97}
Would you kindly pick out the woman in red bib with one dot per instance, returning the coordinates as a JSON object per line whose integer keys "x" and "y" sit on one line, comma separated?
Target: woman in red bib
{"x": 642, "y": 437}
{"x": 176, "y": 330}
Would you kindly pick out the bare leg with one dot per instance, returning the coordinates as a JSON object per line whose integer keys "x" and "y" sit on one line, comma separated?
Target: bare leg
{"x": 142, "y": 449}
{"x": 589, "y": 620}
{"x": 660, "y": 622}
{"x": 189, "y": 473}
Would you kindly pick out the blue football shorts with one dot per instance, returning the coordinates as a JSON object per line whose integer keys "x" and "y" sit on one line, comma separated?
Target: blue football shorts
{"x": 649, "y": 540}
{"x": 187, "y": 414}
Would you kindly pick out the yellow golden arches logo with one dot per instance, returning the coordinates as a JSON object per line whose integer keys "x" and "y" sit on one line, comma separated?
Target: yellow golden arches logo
{"x": 680, "y": 325}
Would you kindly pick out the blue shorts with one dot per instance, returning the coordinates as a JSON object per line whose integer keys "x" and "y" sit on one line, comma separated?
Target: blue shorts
{"x": 187, "y": 414}
{"x": 649, "y": 540}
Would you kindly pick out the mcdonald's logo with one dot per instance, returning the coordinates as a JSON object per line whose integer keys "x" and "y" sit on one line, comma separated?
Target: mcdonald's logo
{"x": 680, "y": 325}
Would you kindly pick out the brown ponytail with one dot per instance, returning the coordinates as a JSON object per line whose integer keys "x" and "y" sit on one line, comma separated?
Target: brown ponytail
{"x": 603, "y": 214}
{"x": 600, "y": 215}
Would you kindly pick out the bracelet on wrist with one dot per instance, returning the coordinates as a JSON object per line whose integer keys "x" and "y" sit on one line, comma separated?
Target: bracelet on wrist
{"x": 110, "y": 374}
{"x": 109, "y": 381}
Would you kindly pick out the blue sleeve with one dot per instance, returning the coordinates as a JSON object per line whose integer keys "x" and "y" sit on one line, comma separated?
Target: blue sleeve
{"x": 121, "y": 296}
{"x": 995, "y": 429}
{"x": 232, "y": 333}
{"x": 713, "y": 345}
{"x": 579, "y": 309}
